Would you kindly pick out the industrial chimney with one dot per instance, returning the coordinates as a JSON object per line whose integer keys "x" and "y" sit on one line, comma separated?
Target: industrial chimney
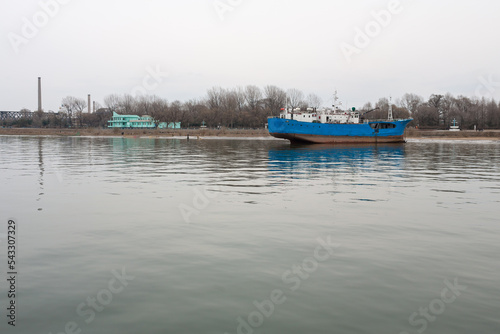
{"x": 39, "y": 94}
{"x": 88, "y": 104}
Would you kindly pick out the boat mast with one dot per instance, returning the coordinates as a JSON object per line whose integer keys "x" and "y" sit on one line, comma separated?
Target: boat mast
{"x": 335, "y": 99}
{"x": 286, "y": 108}
{"x": 389, "y": 117}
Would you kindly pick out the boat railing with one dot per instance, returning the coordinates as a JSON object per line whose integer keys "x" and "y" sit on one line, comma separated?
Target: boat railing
{"x": 385, "y": 120}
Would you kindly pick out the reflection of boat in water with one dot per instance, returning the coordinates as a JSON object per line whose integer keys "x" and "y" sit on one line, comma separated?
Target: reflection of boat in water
{"x": 336, "y": 126}
{"x": 303, "y": 158}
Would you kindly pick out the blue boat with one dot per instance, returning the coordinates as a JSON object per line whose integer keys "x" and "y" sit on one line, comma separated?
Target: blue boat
{"x": 332, "y": 126}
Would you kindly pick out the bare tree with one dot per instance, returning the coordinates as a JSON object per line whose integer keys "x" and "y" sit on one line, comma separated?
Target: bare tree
{"x": 249, "y": 107}
{"x": 25, "y": 112}
{"x": 426, "y": 116}
{"x": 240, "y": 99}
{"x": 314, "y": 101}
{"x": 230, "y": 105}
{"x": 367, "y": 106}
{"x": 275, "y": 99}
{"x": 112, "y": 102}
{"x": 253, "y": 96}
{"x": 175, "y": 111}
{"x": 128, "y": 104}
{"x": 295, "y": 97}
{"x": 80, "y": 105}
{"x": 382, "y": 107}
{"x": 195, "y": 111}
{"x": 67, "y": 108}
{"x": 400, "y": 112}
{"x": 214, "y": 103}
{"x": 435, "y": 101}
{"x": 74, "y": 107}
{"x": 446, "y": 105}
{"x": 159, "y": 111}
{"x": 97, "y": 106}
{"x": 144, "y": 104}
{"x": 492, "y": 114}
{"x": 411, "y": 102}
{"x": 101, "y": 117}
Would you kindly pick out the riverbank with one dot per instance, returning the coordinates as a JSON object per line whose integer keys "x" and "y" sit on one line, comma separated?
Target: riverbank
{"x": 445, "y": 134}
{"x": 410, "y": 133}
{"x": 136, "y": 132}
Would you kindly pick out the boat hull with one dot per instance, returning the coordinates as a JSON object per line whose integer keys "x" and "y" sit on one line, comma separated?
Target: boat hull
{"x": 318, "y": 133}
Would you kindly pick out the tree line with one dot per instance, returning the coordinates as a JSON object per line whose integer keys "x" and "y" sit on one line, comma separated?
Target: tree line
{"x": 250, "y": 106}
{"x": 439, "y": 111}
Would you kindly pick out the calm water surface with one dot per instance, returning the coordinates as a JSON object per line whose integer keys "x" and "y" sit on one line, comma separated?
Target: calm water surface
{"x": 124, "y": 235}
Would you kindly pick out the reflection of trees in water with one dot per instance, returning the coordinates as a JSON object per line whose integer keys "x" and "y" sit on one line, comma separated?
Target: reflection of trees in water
{"x": 454, "y": 160}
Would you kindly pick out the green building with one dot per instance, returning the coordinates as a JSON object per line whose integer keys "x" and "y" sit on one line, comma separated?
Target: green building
{"x": 171, "y": 125}
{"x": 139, "y": 122}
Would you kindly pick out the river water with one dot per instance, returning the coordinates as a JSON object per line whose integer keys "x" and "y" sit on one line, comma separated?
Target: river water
{"x": 130, "y": 235}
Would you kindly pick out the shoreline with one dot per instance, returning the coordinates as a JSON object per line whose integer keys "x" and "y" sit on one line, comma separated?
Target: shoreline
{"x": 224, "y": 133}
{"x": 155, "y": 133}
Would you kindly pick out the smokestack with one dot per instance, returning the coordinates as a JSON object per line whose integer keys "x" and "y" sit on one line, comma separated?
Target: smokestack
{"x": 88, "y": 104}
{"x": 94, "y": 108}
{"x": 39, "y": 94}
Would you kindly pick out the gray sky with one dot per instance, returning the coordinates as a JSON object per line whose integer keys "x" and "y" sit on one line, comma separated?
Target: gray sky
{"x": 179, "y": 49}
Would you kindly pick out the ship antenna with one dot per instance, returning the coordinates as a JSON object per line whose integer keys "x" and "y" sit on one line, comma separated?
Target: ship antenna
{"x": 336, "y": 104}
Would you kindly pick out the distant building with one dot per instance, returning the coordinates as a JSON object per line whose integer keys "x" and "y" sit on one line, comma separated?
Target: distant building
{"x": 171, "y": 125}
{"x": 454, "y": 127}
{"x": 13, "y": 115}
{"x": 138, "y": 122}
{"x": 131, "y": 121}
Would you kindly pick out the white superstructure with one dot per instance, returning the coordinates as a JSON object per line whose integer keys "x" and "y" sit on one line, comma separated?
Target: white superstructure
{"x": 454, "y": 127}
{"x": 325, "y": 115}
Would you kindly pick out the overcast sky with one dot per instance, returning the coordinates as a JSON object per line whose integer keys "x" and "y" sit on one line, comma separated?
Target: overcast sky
{"x": 179, "y": 49}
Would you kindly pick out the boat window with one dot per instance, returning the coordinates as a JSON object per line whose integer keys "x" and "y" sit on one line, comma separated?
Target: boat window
{"x": 382, "y": 125}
